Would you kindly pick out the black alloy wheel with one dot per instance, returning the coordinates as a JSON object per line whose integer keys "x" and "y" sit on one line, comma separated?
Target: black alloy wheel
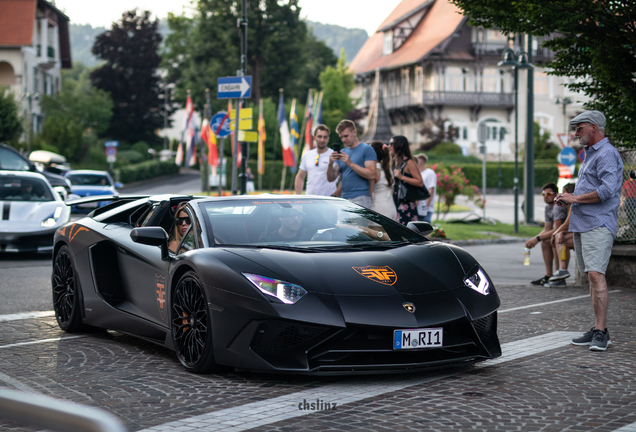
{"x": 191, "y": 325}
{"x": 65, "y": 292}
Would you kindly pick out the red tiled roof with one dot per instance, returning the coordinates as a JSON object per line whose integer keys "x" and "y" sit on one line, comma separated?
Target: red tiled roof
{"x": 439, "y": 23}
{"x": 17, "y": 18}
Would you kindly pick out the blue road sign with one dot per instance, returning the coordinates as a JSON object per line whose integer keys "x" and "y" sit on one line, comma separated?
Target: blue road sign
{"x": 111, "y": 144}
{"x": 220, "y": 124}
{"x": 111, "y": 151}
{"x": 567, "y": 156}
{"x": 234, "y": 87}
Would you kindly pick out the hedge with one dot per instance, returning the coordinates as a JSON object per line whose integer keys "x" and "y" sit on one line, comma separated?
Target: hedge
{"x": 145, "y": 171}
{"x": 543, "y": 173}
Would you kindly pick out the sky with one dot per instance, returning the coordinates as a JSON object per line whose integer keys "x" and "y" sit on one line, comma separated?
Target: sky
{"x": 345, "y": 13}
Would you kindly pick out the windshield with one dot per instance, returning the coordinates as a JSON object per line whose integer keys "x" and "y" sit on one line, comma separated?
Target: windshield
{"x": 89, "y": 180}
{"x": 13, "y": 188}
{"x": 300, "y": 223}
{"x": 10, "y": 160}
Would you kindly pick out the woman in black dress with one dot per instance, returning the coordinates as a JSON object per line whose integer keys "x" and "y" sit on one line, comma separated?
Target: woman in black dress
{"x": 404, "y": 170}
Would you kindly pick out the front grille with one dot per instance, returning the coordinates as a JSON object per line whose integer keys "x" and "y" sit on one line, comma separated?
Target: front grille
{"x": 366, "y": 348}
{"x": 486, "y": 327}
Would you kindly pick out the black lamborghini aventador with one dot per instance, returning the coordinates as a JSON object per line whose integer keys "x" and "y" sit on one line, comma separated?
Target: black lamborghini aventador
{"x": 294, "y": 284}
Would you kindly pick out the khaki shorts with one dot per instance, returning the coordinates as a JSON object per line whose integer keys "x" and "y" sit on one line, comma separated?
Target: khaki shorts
{"x": 593, "y": 249}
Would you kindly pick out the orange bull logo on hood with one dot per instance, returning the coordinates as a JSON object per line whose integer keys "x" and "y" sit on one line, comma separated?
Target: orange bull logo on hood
{"x": 384, "y": 275}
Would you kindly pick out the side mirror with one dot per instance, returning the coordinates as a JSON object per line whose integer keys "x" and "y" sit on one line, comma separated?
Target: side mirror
{"x": 423, "y": 228}
{"x": 118, "y": 185}
{"x": 151, "y": 236}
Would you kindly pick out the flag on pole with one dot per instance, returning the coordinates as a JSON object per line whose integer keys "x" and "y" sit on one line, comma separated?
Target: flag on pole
{"x": 293, "y": 130}
{"x": 285, "y": 138}
{"x": 309, "y": 114}
{"x": 317, "y": 113}
{"x": 178, "y": 159}
{"x": 207, "y": 134}
{"x": 188, "y": 136}
{"x": 261, "y": 138}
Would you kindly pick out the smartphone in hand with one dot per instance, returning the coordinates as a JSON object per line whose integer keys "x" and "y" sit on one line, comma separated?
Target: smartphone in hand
{"x": 337, "y": 147}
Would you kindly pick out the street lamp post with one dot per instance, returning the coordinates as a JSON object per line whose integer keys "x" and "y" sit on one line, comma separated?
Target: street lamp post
{"x": 565, "y": 101}
{"x": 511, "y": 59}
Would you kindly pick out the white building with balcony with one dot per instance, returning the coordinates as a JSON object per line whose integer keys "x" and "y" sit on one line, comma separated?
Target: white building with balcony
{"x": 432, "y": 64}
{"x": 34, "y": 48}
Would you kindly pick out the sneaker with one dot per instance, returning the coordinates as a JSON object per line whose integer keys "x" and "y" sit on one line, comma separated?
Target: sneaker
{"x": 544, "y": 280}
{"x": 556, "y": 283}
{"x": 600, "y": 340}
{"x": 587, "y": 337}
{"x": 560, "y": 275}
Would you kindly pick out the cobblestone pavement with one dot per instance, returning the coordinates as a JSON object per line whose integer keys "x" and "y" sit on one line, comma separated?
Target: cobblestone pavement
{"x": 553, "y": 388}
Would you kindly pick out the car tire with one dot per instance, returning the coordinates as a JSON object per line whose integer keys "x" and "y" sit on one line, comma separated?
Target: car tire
{"x": 192, "y": 325}
{"x": 65, "y": 288}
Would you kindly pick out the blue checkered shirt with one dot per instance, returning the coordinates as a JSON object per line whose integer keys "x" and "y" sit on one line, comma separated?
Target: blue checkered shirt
{"x": 602, "y": 172}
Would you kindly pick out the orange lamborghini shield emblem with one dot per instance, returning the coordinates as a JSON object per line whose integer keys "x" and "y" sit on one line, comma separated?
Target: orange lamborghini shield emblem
{"x": 384, "y": 275}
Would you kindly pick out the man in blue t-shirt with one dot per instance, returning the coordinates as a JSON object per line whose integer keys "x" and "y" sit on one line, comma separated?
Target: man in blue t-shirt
{"x": 355, "y": 163}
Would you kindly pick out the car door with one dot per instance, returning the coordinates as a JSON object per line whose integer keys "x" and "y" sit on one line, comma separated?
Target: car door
{"x": 145, "y": 273}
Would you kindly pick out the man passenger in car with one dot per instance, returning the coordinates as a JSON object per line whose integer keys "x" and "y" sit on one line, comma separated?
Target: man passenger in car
{"x": 181, "y": 224}
{"x": 290, "y": 226}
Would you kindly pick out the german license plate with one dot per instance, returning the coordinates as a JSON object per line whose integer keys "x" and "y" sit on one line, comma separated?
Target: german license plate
{"x": 418, "y": 338}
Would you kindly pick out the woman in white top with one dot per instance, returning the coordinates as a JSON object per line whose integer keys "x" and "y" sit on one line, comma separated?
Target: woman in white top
{"x": 383, "y": 189}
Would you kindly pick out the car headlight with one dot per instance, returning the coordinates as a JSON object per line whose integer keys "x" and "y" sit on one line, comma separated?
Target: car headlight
{"x": 479, "y": 282}
{"x": 286, "y": 292}
{"x": 51, "y": 220}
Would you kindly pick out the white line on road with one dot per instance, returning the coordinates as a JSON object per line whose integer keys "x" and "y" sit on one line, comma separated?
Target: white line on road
{"x": 627, "y": 428}
{"x": 285, "y": 407}
{"x": 25, "y": 315}
{"x": 58, "y": 339}
{"x": 551, "y": 302}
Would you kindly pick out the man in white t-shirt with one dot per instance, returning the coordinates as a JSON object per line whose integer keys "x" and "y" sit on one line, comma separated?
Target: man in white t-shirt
{"x": 314, "y": 167}
{"x": 426, "y": 208}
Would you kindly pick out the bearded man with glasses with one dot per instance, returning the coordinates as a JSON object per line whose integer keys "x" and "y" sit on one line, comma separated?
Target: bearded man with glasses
{"x": 554, "y": 217}
{"x": 593, "y": 217}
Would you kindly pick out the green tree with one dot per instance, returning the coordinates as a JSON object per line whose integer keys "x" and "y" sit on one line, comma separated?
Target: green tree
{"x": 281, "y": 53}
{"x": 336, "y": 84}
{"x": 543, "y": 147}
{"x": 79, "y": 108}
{"x": 129, "y": 75}
{"x": 593, "y": 41}
{"x": 10, "y": 122}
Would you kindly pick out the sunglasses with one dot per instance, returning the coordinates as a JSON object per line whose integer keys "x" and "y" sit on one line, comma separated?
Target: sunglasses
{"x": 181, "y": 220}
{"x": 547, "y": 193}
{"x": 317, "y": 159}
{"x": 577, "y": 129}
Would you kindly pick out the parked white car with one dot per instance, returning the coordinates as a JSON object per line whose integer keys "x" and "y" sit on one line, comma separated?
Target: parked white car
{"x": 30, "y": 212}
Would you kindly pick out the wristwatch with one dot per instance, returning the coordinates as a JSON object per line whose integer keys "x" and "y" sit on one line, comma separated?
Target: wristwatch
{"x": 538, "y": 238}
{"x": 380, "y": 235}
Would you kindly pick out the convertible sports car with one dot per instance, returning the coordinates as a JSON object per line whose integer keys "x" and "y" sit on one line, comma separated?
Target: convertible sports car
{"x": 31, "y": 211}
{"x": 295, "y": 284}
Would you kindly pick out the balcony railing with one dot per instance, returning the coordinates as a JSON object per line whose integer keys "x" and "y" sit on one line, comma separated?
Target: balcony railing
{"x": 50, "y": 51}
{"x": 449, "y": 98}
{"x": 468, "y": 98}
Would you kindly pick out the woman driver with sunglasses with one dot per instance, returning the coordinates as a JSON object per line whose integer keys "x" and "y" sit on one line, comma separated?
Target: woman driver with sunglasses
{"x": 181, "y": 225}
